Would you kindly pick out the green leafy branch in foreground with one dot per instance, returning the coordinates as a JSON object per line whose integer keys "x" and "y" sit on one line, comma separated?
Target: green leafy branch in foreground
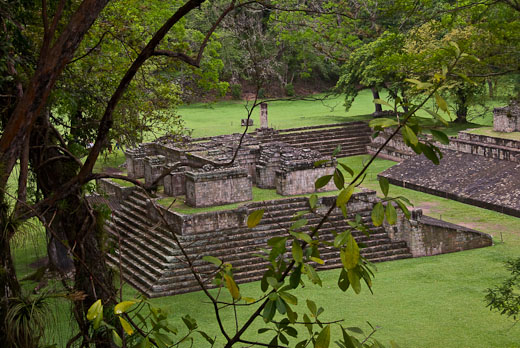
{"x": 505, "y": 298}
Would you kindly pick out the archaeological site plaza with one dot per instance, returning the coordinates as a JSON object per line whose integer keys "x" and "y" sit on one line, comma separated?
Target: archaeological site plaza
{"x": 475, "y": 169}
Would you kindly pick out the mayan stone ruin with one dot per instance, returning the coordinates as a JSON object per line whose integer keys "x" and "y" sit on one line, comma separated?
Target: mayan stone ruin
{"x": 482, "y": 171}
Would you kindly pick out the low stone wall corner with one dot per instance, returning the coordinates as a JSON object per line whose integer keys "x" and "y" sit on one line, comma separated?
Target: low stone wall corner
{"x": 426, "y": 236}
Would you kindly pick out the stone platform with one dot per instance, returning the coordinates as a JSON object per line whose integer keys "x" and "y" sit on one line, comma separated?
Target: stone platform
{"x": 477, "y": 180}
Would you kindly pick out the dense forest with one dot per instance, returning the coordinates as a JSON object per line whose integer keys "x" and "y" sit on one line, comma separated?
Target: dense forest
{"x": 78, "y": 76}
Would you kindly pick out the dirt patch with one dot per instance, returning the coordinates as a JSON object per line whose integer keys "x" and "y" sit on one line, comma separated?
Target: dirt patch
{"x": 429, "y": 208}
{"x": 111, "y": 170}
{"x": 486, "y": 227}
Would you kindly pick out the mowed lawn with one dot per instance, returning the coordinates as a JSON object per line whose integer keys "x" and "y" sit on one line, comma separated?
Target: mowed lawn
{"x": 426, "y": 302}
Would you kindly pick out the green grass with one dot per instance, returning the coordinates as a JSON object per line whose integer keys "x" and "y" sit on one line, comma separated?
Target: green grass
{"x": 224, "y": 117}
{"x": 490, "y": 132}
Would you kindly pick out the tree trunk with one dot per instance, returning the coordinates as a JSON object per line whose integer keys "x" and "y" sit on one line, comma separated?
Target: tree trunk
{"x": 379, "y": 107}
{"x": 9, "y": 286}
{"x": 74, "y": 227}
{"x": 490, "y": 88}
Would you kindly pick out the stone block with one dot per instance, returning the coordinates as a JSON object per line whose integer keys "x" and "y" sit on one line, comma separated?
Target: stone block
{"x": 153, "y": 168}
{"x": 175, "y": 184}
{"x": 246, "y": 122}
{"x": 297, "y": 182}
{"x": 507, "y": 119}
{"x": 218, "y": 187}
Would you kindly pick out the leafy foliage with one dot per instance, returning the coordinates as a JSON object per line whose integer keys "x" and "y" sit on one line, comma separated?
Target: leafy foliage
{"x": 505, "y": 298}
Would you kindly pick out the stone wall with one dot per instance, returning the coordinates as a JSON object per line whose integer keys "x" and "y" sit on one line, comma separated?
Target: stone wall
{"x": 426, "y": 236}
{"x": 507, "y": 119}
{"x": 135, "y": 162}
{"x": 217, "y": 187}
{"x": 111, "y": 188}
{"x": 175, "y": 182}
{"x": 482, "y": 145}
{"x": 214, "y": 221}
{"x": 296, "y": 181}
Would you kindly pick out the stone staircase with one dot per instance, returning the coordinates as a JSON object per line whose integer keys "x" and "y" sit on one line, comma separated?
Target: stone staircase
{"x": 352, "y": 136}
{"x": 152, "y": 263}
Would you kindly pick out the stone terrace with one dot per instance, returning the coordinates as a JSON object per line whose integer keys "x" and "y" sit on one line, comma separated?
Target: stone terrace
{"x": 473, "y": 179}
{"x": 153, "y": 264}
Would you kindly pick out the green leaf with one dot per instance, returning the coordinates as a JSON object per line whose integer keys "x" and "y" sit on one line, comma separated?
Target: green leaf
{"x": 391, "y": 214}
{"x": 351, "y": 258}
{"x": 95, "y": 310}
{"x": 320, "y": 162}
{"x": 440, "y": 136}
{"x": 339, "y": 180}
{"x": 336, "y": 151}
{"x": 313, "y": 201}
{"x": 382, "y": 102}
{"x": 206, "y": 337}
{"x": 429, "y": 153}
{"x": 378, "y": 214}
{"x": 117, "y": 340}
{"x": 323, "y": 340}
{"x": 321, "y": 182}
{"x": 341, "y": 239}
{"x": 190, "y": 323}
{"x": 418, "y": 84}
{"x": 254, "y": 218}
{"x": 346, "y": 339}
{"x": 291, "y": 315}
{"x": 409, "y": 135}
{"x": 232, "y": 287}
{"x": 437, "y": 116}
{"x": 403, "y": 208}
{"x": 289, "y": 298}
{"x": 312, "y": 307}
{"x": 122, "y": 307}
{"x": 456, "y": 47}
{"x": 301, "y": 236}
{"x": 296, "y": 225}
{"x": 353, "y": 278}
{"x": 382, "y": 122}
{"x": 347, "y": 168}
{"x": 312, "y": 274}
{"x": 356, "y": 330}
{"x": 344, "y": 195}
{"x": 383, "y": 183}
{"x": 162, "y": 340}
{"x": 317, "y": 260}
{"x": 269, "y": 311}
{"x": 343, "y": 282}
{"x": 126, "y": 326}
{"x": 297, "y": 251}
{"x": 295, "y": 277}
{"x": 441, "y": 103}
{"x": 280, "y": 306}
{"x": 211, "y": 259}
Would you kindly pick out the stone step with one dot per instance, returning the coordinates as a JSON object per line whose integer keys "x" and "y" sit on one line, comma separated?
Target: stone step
{"x": 317, "y": 141}
{"x": 135, "y": 225}
{"x": 244, "y": 251}
{"x": 328, "y": 126}
{"x": 135, "y": 271}
{"x": 135, "y": 245}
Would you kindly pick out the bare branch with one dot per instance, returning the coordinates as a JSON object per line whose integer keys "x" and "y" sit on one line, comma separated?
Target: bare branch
{"x": 177, "y": 55}
{"x": 90, "y": 50}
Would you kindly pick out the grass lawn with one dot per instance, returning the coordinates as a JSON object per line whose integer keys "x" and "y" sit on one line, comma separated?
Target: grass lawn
{"x": 490, "y": 132}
